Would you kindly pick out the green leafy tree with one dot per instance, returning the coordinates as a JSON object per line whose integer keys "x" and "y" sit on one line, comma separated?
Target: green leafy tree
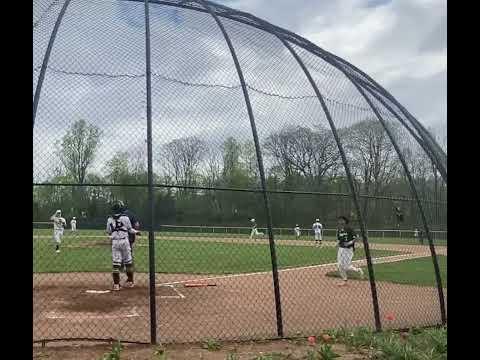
{"x": 78, "y": 148}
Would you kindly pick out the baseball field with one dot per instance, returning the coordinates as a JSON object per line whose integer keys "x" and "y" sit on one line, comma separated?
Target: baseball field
{"x": 72, "y": 297}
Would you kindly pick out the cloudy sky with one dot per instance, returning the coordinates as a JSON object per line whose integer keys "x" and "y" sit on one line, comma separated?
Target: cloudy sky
{"x": 96, "y": 70}
{"x": 402, "y": 44}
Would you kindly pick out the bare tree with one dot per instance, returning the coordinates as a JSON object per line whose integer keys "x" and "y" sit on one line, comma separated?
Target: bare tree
{"x": 373, "y": 161}
{"x": 117, "y": 168}
{"x": 212, "y": 169}
{"x": 181, "y": 159}
{"x": 373, "y": 158}
{"x": 231, "y": 157}
{"x": 278, "y": 146}
{"x": 417, "y": 161}
{"x": 137, "y": 157}
{"x": 302, "y": 151}
{"x": 248, "y": 159}
{"x": 212, "y": 174}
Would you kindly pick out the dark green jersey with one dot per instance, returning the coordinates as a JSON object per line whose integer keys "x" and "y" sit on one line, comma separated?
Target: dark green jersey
{"x": 346, "y": 238}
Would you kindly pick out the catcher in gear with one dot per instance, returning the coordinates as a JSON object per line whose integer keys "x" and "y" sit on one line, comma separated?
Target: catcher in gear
{"x": 135, "y": 224}
{"x": 118, "y": 227}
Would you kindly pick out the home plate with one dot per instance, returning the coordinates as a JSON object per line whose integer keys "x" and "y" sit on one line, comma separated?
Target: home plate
{"x": 97, "y": 291}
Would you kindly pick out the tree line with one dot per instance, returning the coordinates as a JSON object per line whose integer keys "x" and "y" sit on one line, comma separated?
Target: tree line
{"x": 296, "y": 158}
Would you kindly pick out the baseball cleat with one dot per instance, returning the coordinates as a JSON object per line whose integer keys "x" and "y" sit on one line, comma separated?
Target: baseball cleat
{"x": 362, "y": 275}
{"x": 342, "y": 283}
{"x": 129, "y": 284}
{"x": 116, "y": 287}
{"x": 57, "y": 251}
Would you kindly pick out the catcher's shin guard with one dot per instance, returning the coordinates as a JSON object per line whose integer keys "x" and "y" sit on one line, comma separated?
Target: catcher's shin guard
{"x": 116, "y": 274}
{"x": 129, "y": 271}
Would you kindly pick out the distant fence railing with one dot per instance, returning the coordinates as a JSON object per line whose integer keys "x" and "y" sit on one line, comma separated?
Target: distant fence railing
{"x": 383, "y": 233}
{"x": 279, "y": 231}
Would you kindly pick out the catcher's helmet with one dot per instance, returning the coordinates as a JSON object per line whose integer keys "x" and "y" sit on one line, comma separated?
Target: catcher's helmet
{"x": 118, "y": 207}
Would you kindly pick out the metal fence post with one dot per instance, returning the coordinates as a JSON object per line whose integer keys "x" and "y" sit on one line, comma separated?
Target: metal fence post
{"x": 276, "y": 286}
{"x": 151, "y": 234}
{"x": 369, "y": 84}
{"x": 415, "y": 194}
{"x": 363, "y": 230}
{"x": 46, "y": 58}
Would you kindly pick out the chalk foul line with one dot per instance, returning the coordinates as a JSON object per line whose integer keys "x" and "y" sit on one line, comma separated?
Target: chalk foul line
{"x": 380, "y": 260}
{"x": 55, "y": 315}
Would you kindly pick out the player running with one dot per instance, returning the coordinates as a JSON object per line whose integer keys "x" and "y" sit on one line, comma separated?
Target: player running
{"x": 73, "y": 224}
{"x": 118, "y": 227}
{"x": 398, "y": 215}
{"x": 317, "y": 230}
{"x": 58, "y": 225}
{"x": 346, "y": 238}
{"x": 254, "y": 231}
{"x": 297, "y": 231}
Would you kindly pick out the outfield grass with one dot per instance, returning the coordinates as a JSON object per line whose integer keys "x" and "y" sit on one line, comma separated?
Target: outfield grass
{"x": 245, "y": 234}
{"x": 412, "y": 272}
{"x": 83, "y": 254}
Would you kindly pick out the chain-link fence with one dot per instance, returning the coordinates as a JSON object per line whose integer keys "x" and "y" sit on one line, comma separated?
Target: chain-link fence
{"x": 237, "y": 146}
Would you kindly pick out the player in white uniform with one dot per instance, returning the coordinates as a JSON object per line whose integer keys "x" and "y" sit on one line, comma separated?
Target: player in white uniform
{"x": 58, "y": 225}
{"x": 296, "y": 230}
{"x": 254, "y": 231}
{"x": 73, "y": 224}
{"x": 118, "y": 227}
{"x": 317, "y": 230}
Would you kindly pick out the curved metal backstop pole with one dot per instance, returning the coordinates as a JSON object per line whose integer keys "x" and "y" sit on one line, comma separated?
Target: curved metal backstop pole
{"x": 151, "y": 233}
{"x": 416, "y": 124}
{"x": 276, "y": 286}
{"x": 363, "y": 231}
{"x": 46, "y": 58}
{"x": 415, "y": 195}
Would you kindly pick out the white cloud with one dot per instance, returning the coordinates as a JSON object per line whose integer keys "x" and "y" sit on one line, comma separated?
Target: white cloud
{"x": 401, "y": 44}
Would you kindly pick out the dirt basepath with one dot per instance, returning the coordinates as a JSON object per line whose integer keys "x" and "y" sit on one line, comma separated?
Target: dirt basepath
{"x": 240, "y": 306}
